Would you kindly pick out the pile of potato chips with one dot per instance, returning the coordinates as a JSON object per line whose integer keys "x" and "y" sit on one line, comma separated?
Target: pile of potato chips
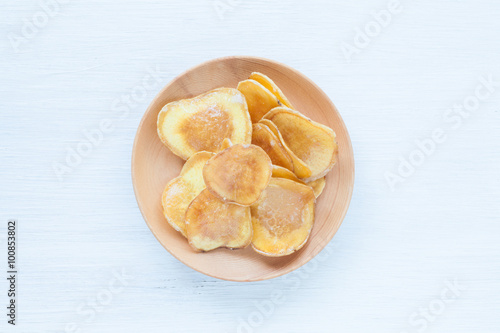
{"x": 254, "y": 168}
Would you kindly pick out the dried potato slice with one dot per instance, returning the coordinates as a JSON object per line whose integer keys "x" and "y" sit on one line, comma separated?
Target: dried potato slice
{"x": 238, "y": 174}
{"x": 311, "y": 142}
{"x": 283, "y": 218}
{"x": 280, "y": 172}
{"x": 181, "y": 190}
{"x": 317, "y": 185}
{"x": 212, "y": 223}
{"x": 259, "y": 99}
{"x": 201, "y": 123}
{"x": 226, "y": 143}
{"x": 300, "y": 168}
{"x": 272, "y": 87}
{"x": 263, "y": 137}
{"x": 271, "y": 126}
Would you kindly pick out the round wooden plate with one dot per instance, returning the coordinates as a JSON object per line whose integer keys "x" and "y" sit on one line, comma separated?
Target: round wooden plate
{"x": 153, "y": 165}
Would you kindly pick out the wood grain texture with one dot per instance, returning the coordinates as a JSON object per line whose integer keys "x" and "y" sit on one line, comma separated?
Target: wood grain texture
{"x": 394, "y": 250}
{"x": 154, "y": 165}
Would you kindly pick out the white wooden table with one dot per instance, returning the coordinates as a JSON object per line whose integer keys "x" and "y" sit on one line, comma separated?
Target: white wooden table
{"x": 419, "y": 250}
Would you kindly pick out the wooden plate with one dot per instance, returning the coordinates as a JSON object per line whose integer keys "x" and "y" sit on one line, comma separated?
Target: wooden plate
{"x": 153, "y": 165}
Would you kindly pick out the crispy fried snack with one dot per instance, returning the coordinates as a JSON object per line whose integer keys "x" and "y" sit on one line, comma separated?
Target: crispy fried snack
{"x": 203, "y": 122}
{"x": 300, "y": 168}
{"x": 180, "y": 191}
{"x": 226, "y": 143}
{"x": 283, "y": 218}
{"x": 254, "y": 168}
{"x": 280, "y": 172}
{"x": 238, "y": 174}
{"x": 312, "y": 142}
{"x": 317, "y": 185}
{"x": 213, "y": 223}
{"x": 263, "y": 137}
{"x": 259, "y": 99}
{"x": 272, "y": 87}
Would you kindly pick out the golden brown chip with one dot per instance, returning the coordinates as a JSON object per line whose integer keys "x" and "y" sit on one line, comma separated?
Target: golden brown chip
{"x": 238, "y": 174}
{"x": 280, "y": 172}
{"x": 226, "y": 143}
{"x": 271, "y": 126}
{"x": 263, "y": 137}
{"x": 317, "y": 185}
{"x": 312, "y": 142}
{"x": 203, "y": 122}
{"x": 272, "y": 87}
{"x": 259, "y": 99}
{"x": 180, "y": 191}
{"x": 283, "y": 218}
{"x": 212, "y": 223}
{"x": 300, "y": 168}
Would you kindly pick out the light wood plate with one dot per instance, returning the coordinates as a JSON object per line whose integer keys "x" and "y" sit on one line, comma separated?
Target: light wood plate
{"x": 153, "y": 165}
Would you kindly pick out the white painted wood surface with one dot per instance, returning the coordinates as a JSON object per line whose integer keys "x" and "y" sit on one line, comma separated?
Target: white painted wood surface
{"x": 394, "y": 253}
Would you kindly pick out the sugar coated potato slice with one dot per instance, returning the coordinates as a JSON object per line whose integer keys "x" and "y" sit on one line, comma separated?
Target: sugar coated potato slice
{"x": 283, "y": 218}
{"x": 213, "y": 223}
{"x": 272, "y": 87}
{"x": 280, "y": 172}
{"x": 263, "y": 137}
{"x": 300, "y": 168}
{"x": 203, "y": 122}
{"x": 317, "y": 185}
{"x": 180, "y": 191}
{"x": 312, "y": 142}
{"x": 259, "y": 99}
{"x": 238, "y": 174}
